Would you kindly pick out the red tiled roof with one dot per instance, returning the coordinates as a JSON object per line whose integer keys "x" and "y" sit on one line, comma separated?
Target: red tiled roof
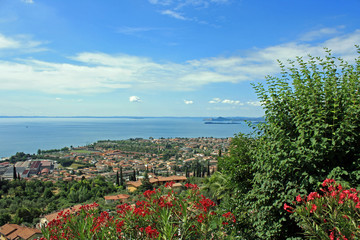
{"x": 14, "y": 231}
{"x": 54, "y": 215}
{"x": 134, "y": 183}
{"x": 117, "y": 197}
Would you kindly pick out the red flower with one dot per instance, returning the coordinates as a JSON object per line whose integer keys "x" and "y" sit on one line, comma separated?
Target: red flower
{"x": 313, "y": 195}
{"x": 327, "y": 181}
{"x": 313, "y": 208}
{"x": 200, "y": 218}
{"x": 298, "y": 198}
{"x": 148, "y": 193}
{"x": 152, "y": 233}
{"x": 192, "y": 186}
{"x": 288, "y": 208}
{"x": 169, "y": 184}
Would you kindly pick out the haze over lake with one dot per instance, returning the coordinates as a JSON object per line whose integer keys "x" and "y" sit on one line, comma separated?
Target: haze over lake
{"x": 30, "y": 134}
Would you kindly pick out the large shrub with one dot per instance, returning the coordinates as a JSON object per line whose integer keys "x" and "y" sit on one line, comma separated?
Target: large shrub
{"x": 312, "y": 132}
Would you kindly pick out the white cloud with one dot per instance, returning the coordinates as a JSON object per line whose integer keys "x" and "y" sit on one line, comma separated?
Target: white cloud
{"x": 100, "y": 72}
{"x": 173, "y": 14}
{"x": 6, "y": 42}
{"x": 320, "y": 33}
{"x": 28, "y": 1}
{"x": 254, "y": 103}
{"x": 58, "y": 99}
{"x": 20, "y": 43}
{"x": 134, "y": 99}
{"x": 225, "y": 101}
{"x": 215, "y": 100}
{"x": 234, "y": 102}
{"x": 188, "y": 102}
{"x": 161, "y": 2}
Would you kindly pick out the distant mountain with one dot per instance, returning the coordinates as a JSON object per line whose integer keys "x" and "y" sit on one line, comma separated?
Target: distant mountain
{"x": 234, "y": 119}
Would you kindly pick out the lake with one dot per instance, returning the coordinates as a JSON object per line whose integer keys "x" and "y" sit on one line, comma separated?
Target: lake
{"x": 30, "y": 134}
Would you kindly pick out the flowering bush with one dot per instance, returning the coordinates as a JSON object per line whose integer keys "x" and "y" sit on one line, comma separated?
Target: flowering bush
{"x": 160, "y": 214}
{"x": 333, "y": 213}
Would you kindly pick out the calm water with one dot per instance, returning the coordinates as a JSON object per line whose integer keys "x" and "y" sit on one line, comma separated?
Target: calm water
{"x": 30, "y": 134}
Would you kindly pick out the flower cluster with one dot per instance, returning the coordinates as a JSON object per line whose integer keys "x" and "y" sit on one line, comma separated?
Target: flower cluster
{"x": 160, "y": 214}
{"x": 332, "y": 213}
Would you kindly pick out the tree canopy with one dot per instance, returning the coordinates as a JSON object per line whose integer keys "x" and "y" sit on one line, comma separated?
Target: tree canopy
{"x": 312, "y": 113}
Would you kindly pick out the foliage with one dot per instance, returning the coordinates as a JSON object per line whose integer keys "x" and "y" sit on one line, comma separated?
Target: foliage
{"x": 20, "y": 156}
{"x": 25, "y": 201}
{"x": 218, "y": 186}
{"x": 4, "y": 218}
{"x": 145, "y": 183}
{"x": 238, "y": 163}
{"x": 333, "y": 213}
{"x": 160, "y": 215}
{"x": 312, "y": 131}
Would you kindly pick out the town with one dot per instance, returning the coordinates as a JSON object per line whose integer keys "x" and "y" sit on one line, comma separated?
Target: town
{"x": 165, "y": 157}
{"x": 117, "y": 167}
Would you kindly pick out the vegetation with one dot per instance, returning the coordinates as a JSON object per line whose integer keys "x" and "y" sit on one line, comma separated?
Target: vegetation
{"x": 311, "y": 133}
{"x": 159, "y": 214}
{"x": 332, "y": 213}
{"x": 24, "y": 201}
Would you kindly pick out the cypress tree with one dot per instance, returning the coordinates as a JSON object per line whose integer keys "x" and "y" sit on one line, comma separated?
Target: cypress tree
{"x": 134, "y": 175}
{"x": 198, "y": 170}
{"x": 121, "y": 177}
{"x": 117, "y": 179}
{"x": 14, "y": 172}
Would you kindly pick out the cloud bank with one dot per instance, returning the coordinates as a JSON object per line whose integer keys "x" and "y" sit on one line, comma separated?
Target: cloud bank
{"x": 226, "y": 101}
{"x": 96, "y": 72}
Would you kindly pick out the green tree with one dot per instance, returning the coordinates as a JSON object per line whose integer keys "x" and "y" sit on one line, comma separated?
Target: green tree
{"x": 121, "y": 177}
{"x": 312, "y": 131}
{"x": 14, "y": 173}
{"x": 117, "y": 179}
{"x": 145, "y": 183}
{"x": 134, "y": 175}
{"x": 48, "y": 193}
{"x": 218, "y": 186}
{"x": 4, "y": 218}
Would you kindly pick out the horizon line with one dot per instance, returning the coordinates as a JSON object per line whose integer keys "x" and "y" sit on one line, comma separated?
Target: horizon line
{"x": 41, "y": 116}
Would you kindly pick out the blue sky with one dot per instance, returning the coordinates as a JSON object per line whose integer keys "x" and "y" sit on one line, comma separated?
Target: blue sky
{"x": 158, "y": 57}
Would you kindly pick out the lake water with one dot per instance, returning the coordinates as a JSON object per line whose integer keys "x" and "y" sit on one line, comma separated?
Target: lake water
{"x": 30, "y": 134}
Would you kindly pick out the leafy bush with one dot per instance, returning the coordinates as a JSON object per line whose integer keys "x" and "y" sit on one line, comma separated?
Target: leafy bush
{"x": 312, "y": 132}
{"x": 333, "y": 213}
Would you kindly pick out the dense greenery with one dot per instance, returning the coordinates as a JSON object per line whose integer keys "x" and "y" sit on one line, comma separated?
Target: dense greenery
{"x": 20, "y": 156}
{"x": 312, "y": 128}
{"x": 24, "y": 201}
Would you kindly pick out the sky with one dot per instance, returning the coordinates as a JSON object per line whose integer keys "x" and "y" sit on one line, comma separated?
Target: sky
{"x": 183, "y": 58}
